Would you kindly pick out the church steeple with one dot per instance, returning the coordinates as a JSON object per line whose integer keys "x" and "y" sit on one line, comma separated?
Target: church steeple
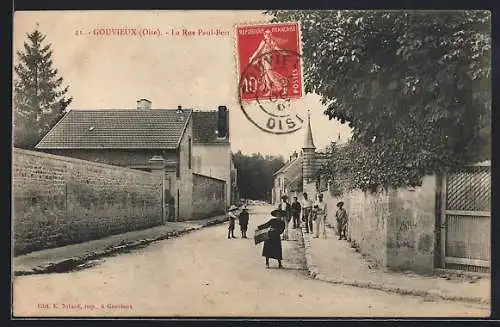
{"x": 308, "y": 153}
{"x": 309, "y": 143}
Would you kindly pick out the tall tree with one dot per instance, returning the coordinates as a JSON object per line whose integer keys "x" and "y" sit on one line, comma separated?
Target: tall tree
{"x": 255, "y": 174}
{"x": 39, "y": 98}
{"x": 414, "y": 86}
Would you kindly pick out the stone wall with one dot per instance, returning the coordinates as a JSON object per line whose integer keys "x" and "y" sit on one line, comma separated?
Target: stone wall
{"x": 396, "y": 229}
{"x": 367, "y": 224}
{"x": 208, "y": 196}
{"x": 412, "y": 228}
{"x": 59, "y": 200}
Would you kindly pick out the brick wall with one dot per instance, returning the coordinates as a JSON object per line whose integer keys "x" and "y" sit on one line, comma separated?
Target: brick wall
{"x": 396, "y": 229}
{"x": 60, "y": 200}
{"x": 208, "y": 196}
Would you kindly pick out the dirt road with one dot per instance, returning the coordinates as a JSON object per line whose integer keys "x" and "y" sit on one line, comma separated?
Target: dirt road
{"x": 205, "y": 274}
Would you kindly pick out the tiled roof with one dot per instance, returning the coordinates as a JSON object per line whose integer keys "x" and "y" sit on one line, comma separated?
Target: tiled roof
{"x": 287, "y": 165}
{"x": 294, "y": 170}
{"x": 205, "y": 124}
{"x": 295, "y": 184}
{"x": 283, "y": 168}
{"x": 118, "y": 129}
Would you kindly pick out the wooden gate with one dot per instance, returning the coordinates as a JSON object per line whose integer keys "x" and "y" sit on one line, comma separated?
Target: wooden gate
{"x": 466, "y": 219}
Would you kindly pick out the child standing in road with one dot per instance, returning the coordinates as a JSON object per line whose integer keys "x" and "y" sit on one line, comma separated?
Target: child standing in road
{"x": 232, "y": 219}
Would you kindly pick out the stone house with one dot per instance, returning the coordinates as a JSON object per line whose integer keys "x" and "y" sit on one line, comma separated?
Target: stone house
{"x": 212, "y": 148}
{"x": 299, "y": 174}
{"x": 135, "y": 138}
{"x": 288, "y": 179}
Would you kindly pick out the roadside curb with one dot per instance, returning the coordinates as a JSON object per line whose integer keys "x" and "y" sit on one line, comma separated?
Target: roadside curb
{"x": 72, "y": 263}
{"x": 314, "y": 273}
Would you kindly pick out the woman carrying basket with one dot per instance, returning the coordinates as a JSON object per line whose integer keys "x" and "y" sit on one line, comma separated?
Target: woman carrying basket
{"x": 272, "y": 246}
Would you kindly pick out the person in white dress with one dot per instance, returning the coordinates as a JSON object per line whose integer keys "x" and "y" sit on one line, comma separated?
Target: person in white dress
{"x": 321, "y": 212}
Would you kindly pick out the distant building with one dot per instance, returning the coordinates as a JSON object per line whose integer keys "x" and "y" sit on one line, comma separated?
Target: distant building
{"x": 299, "y": 173}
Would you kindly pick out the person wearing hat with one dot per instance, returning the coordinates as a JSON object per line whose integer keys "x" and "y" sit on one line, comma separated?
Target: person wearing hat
{"x": 272, "y": 247}
{"x": 243, "y": 218}
{"x": 341, "y": 216}
{"x": 295, "y": 209}
{"x": 232, "y": 218}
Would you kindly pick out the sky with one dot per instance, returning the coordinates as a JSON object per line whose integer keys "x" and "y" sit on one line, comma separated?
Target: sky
{"x": 198, "y": 72}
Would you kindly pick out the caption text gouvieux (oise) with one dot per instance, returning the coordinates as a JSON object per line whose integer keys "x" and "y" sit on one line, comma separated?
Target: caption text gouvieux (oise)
{"x": 152, "y": 32}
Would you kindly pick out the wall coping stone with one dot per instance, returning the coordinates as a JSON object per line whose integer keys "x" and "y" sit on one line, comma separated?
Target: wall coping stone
{"x": 78, "y": 161}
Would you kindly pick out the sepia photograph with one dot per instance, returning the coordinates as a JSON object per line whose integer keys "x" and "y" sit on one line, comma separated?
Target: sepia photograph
{"x": 251, "y": 163}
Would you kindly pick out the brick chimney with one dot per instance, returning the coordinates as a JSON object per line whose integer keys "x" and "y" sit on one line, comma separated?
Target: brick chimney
{"x": 222, "y": 122}
{"x": 143, "y": 104}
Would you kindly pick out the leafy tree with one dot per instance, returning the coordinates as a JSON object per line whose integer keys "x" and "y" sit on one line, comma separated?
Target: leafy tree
{"x": 414, "y": 86}
{"x": 255, "y": 174}
{"x": 39, "y": 99}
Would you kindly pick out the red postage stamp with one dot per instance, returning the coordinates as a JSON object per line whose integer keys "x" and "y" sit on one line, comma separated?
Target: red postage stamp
{"x": 269, "y": 61}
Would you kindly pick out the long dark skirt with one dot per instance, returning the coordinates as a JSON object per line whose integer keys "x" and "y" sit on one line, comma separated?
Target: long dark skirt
{"x": 272, "y": 248}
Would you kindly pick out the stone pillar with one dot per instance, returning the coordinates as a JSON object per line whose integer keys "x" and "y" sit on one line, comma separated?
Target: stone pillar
{"x": 157, "y": 166}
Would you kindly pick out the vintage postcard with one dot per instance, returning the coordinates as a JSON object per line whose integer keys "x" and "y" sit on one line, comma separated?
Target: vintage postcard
{"x": 251, "y": 163}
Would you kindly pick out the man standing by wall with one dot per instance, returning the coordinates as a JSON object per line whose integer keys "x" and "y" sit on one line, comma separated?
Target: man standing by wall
{"x": 295, "y": 211}
{"x": 306, "y": 213}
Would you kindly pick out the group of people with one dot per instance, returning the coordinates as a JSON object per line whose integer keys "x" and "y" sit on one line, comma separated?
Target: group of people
{"x": 313, "y": 215}
{"x": 243, "y": 218}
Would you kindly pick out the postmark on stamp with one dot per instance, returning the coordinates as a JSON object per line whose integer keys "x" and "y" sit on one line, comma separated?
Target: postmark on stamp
{"x": 270, "y": 76}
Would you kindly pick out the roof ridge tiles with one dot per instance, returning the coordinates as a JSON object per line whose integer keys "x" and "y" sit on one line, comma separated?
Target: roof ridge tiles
{"x": 120, "y": 131}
